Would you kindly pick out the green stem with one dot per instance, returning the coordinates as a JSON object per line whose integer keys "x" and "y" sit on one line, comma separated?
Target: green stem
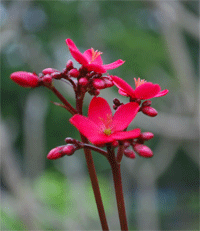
{"x": 118, "y": 188}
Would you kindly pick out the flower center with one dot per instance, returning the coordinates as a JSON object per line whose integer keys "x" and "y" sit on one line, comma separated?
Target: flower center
{"x": 108, "y": 131}
{"x": 139, "y": 82}
{"x": 95, "y": 54}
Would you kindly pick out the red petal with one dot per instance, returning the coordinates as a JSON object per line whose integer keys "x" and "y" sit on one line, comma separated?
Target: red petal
{"x": 123, "y": 86}
{"x": 95, "y": 67}
{"x": 124, "y": 115}
{"x": 77, "y": 55}
{"x": 113, "y": 65}
{"x": 99, "y": 111}
{"x": 126, "y": 135}
{"x": 162, "y": 93}
{"x": 90, "y": 130}
{"x": 88, "y": 55}
{"x": 147, "y": 91}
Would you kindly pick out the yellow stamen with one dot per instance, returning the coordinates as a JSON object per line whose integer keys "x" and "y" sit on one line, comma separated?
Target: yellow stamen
{"x": 139, "y": 82}
{"x": 107, "y": 131}
{"x": 95, "y": 54}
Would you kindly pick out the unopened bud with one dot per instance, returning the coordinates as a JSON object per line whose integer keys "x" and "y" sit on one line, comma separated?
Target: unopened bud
{"x": 74, "y": 73}
{"x": 129, "y": 153}
{"x": 108, "y": 82}
{"x": 70, "y": 140}
{"x": 146, "y": 103}
{"x": 143, "y": 150}
{"x": 55, "y": 153}
{"x": 116, "y": 102}
{"x": 83, "y": 81}
{"x": 47, "y": 79}
{"x": 115, "y": 143}
{"x": 49, "y": 71}
{"x": 150, "y": 111}
{"x": 98, "y": 84}
{"x": 69, "y": 65}
{"x": 56, "y": 75}
{"x": 69, "y": 149}
{"x": 146, "y": 135}
{"x": 25, "y": 79}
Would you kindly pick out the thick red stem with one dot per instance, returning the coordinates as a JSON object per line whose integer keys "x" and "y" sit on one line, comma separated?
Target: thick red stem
{"x": 118, "y": 188}
{"x": 91, "y": 169}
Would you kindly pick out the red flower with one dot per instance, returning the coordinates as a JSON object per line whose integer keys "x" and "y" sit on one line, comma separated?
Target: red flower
{"x": 25, "y": 79}
{"x": 100, "y": 127}
{"x": 143, "y": 90}
{"x": 91, "y": 59}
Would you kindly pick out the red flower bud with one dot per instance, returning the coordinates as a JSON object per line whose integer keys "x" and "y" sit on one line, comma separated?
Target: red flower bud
{"x": 74, "y": 73}
{"x": 143, "y": 150}
{"x": 49, "y": 71}
{"x": 99, "y": 84}
{"x": 25, "y": 79}
{"x": 150, "y": 111}
{"x": 47, "y": 79}
{"x": 115, "y": 143}
{"x": 55, "y": 153}
{"x": 146, "y": 103}
{"x": 83, "y": 82}
{"x": 108, "y": 82}
{"x": 146, "y": 135}
{"x": 69, "y": 65}
{"x": 129, "y": 153}
{"x": 69, "y": 149}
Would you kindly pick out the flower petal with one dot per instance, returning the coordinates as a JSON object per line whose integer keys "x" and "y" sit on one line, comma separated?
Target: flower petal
{"x": 88, "y": 55}
{"x": 95, "y": 67}
{"x": 113, "y": 65}
{"x": 85, "y": 126}
{"x": 162, "y": 93}
{"x": 123, "y": 86}
{"x": 99, "y": 111}
{"x": 77, "y": 55}
{"x": 124, "y": 115}
{"x": 147, "y": 90}
{"x": 126, "y": 135}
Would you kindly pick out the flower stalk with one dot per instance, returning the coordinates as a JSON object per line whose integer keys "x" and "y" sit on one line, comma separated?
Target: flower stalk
{"x": 116, "y": 172}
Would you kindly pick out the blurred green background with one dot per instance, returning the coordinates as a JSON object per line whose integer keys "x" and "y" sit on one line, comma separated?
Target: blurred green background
{"x": 159, "y": 40}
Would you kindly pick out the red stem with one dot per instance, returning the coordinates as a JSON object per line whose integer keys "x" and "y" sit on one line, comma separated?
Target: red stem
{"x": 118, "y": 188}
{"x": 63, "y": 100}
{"x": 91, "y": 169}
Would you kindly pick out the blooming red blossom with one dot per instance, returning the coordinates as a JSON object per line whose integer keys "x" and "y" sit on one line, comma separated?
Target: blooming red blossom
{"x": 25, "y": 79}
{"x": 143, "y": 90}
{"x": 91, "y": 59}
{"x": 100, "y": 127}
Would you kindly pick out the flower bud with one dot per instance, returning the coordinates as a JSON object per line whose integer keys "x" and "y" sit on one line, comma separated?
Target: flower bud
{"x": 69, "y": 149}
{"x": 116, "y": 102}
{"x": 143, "y": 150}
{"x": 74, "y": 73}
{"x": 150, "y": 111}
{"x": 115, "y": 143}
{"x": 47, "y": 79}
{"x": 55, "y": 153}
{"x": 69, "y": 140}
{"x": 129, "y": 153}
{"x": 108, "y": 82}
{"x": 69, "y": 65}
{"x": 98, "y": 84}
{"x": 146, "y": 103}
{"x": 25, "y": 79}
{"x": 49, "y": 71}
{"x": 56, "y": 75}
{"x": 83, "y": 82}
{"x": 146, "y": 135}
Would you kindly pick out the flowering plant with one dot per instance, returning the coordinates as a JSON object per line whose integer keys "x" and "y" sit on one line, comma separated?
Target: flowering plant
{"x": 101, "y": 128}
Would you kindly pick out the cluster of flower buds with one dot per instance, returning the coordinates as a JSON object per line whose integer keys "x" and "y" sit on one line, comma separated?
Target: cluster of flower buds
{"x": 61, "y": 151}
{"x": 138, "y": 146}
{"x": 147, "y": 110}
{"x": 116, "y": 103}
